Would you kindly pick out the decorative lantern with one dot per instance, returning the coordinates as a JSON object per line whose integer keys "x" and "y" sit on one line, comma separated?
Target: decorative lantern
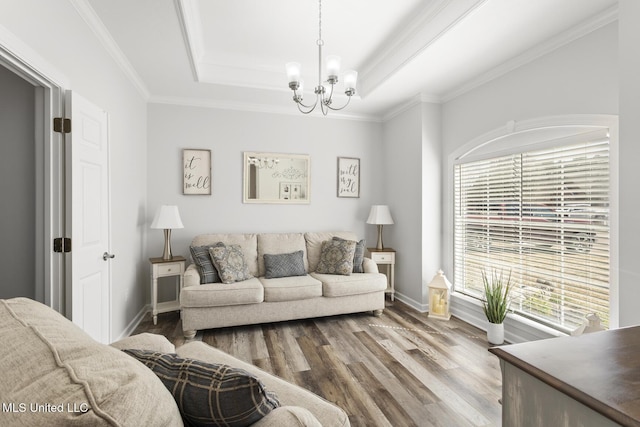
{"x": 439, "y": 295}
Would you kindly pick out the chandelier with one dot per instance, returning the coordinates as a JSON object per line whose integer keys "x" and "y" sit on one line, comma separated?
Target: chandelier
{"x": 323, "y": 94}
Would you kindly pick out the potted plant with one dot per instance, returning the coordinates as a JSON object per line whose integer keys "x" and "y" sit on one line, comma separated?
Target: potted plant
{"x": 496, "y": 303}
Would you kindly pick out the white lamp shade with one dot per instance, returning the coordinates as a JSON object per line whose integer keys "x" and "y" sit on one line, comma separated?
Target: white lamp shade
{"x": 293, "y": 71}
{"x": 350, "y": 79}
{"x": 167, "y": 217}
{"x": 333, "y": 65}
{"x": 379, "y": 214}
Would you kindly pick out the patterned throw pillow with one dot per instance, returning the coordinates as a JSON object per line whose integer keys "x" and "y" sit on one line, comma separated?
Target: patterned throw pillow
{"x": 230, "y": 263}
{"x": 284, "y": 265}
{"x": 202, "y": 260}
{"x": 210, "y": 394}
{"x": 358, "y": 256}
{"x": 336, "y": 257}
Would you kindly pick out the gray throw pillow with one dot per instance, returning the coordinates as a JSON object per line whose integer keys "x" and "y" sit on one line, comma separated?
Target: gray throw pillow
{"x": 230, "y": 263}
{"x": 336, "y": 257}
{"x": 358, "y": 256}
{"x": 210, "y": 394}
{"x": 202, "y": 260}
{"x": 284, "y": 265}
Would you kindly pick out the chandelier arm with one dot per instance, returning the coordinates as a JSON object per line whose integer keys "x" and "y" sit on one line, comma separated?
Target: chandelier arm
{"x": 330, "y": 97}
{"x": 340, "y": 108}
{"x": 323, "y": 108}
{"x": 309, "y": 108}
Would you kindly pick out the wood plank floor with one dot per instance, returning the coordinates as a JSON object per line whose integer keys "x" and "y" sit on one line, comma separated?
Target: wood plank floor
{"x": 400, "y": 369}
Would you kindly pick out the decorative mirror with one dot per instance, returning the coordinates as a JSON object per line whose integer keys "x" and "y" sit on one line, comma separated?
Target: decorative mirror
{"x": 276, "y": 178}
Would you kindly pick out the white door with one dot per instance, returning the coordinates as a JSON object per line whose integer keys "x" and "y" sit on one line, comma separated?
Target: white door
{"x": 88, "y": 201}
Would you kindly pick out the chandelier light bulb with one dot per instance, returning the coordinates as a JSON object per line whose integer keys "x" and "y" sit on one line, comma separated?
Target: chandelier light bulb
{"x": 350, "y": 80}
{"x": 293, "y": 71}
{"x": 333, "y": 67}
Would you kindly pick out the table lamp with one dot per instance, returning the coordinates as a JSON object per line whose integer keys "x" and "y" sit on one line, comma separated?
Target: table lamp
{"x": 380, "y": 215}
{"x": 167, "y": 218}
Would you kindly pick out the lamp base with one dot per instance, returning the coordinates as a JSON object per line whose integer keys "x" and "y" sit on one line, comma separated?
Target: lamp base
{"x": 379, "y": 246}
{"x": 166, "y": 255}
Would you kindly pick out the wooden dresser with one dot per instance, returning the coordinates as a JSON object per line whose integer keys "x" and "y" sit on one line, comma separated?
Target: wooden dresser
{"x": 589, "y": 381}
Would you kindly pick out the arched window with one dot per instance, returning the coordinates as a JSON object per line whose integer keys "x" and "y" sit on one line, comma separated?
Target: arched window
{"x": 536, "y": 203}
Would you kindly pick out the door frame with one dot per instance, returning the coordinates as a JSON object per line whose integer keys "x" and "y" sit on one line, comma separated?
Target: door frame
{"x": 49, "y": 164}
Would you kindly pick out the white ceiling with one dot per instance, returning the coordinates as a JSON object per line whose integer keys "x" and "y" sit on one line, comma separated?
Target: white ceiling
{"x": 231, "y": 53}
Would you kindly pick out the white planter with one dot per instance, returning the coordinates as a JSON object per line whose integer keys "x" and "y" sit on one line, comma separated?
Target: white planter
{"x": 495, "y": 333}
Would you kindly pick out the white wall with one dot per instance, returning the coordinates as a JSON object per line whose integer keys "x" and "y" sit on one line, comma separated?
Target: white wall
{"x": 17, "y": 185}
{"x": 228, "y": 134}
{"x": 56, "y": 32}
{"x": 578, "y": 78}
{"x": 629, "y": 176}
{"x": 412, "y": 189}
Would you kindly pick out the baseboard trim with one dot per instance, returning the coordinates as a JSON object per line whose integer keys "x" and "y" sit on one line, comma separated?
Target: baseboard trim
{"x": 422, "y": 308}
{"x": 135, "y": 322}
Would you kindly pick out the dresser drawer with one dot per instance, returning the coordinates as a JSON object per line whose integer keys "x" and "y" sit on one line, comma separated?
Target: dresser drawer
{"x": 169, "y": 269}
{"x": 383, "y": 257}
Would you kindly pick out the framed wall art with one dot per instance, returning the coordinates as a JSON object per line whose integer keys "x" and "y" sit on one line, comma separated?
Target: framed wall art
{"x": 196, "y": 165}
{"x": 348, "y": 177}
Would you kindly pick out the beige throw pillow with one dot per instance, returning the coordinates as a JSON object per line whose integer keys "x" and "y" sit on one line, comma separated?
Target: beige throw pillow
{"x": 336, "y": 257}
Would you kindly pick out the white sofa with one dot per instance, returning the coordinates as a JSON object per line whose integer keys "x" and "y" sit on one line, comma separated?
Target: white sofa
{"x": 262, "y": 300}
{"x": 53, "y": 374}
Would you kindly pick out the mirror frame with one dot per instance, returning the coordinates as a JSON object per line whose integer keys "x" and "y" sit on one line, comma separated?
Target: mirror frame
{"x": 247, "y": 155}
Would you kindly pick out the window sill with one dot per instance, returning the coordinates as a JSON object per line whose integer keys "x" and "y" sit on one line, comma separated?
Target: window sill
{"x": 516, "y": 328}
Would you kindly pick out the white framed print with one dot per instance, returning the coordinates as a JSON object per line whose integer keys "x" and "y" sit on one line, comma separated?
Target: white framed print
{"x": 348, "y": 177}
{"x": 196, "y": 169}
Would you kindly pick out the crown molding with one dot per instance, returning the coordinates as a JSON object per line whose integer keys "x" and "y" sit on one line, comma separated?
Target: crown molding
{"x": 431, "y": 23}
{"x": 420, "y": 98}
{"x": 89, "y": 15}
{"x": 257, "y": 108}
{"x": 192, "y": 33}
{"x": 608, "y": 16}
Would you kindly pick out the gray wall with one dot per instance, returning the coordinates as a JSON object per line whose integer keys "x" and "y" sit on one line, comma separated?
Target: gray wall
{"x": 228, "y": 134}
{"x": 17, "y": 185}
{"x": 629, "y": 229}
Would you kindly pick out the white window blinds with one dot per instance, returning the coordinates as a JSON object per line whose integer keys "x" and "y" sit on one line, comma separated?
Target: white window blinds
{"x": 544, "y": 216}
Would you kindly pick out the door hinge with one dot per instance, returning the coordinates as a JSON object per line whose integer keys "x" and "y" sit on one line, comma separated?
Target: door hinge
{"x": 62, "y": 244}
{"x": 61, "y": 125}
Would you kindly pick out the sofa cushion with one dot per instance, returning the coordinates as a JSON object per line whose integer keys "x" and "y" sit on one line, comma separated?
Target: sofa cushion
{"x": 291, "y": 288}
{"x": 248, "y": 244}
{"x": 314, "y": 244}
{"x": 46, "y": 359}
{"x": 355, "y": 284}
{"x": 230, "y": 263}
{"x": 288, "y": 394}
{"x": 280, "y": 243}
{"x": 220, "y": 294}
{"x": 284, "y": 265}
{"x": 210, "y": 393}
{"x": 336, "y": 257}
{"x": 358, "y": 256}
{"x": 202, "y": 260}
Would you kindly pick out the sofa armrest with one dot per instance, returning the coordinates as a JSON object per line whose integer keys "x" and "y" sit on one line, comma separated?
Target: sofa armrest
{"x": 369, "y": 266}
{"x": 145, "y": 341}
{"x": 191, "y": 276}
{"x": 288, "y": 416}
